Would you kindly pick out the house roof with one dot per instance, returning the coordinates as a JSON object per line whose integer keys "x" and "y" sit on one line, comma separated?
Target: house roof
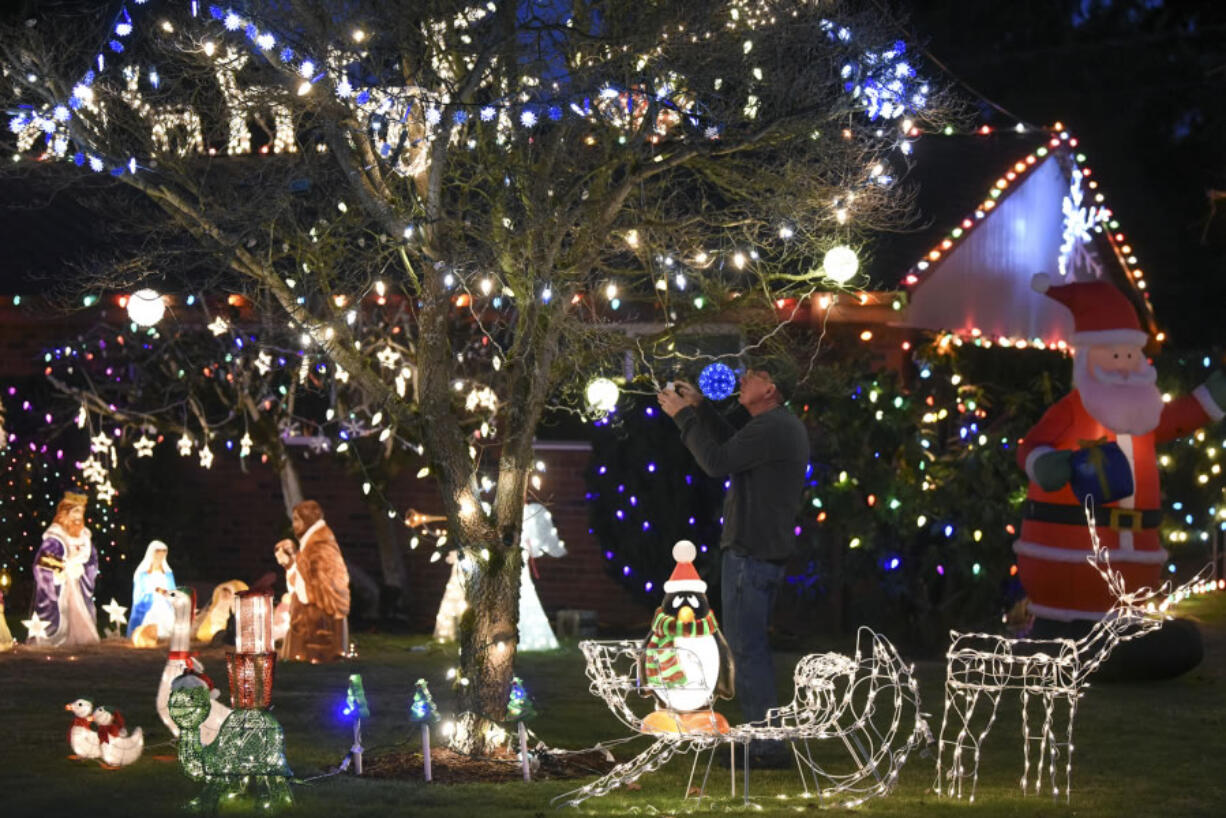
{"x": 1002, "y": 208}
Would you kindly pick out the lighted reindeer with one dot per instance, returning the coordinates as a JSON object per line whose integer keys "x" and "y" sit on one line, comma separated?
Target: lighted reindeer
{"x": 1052, "y": 671}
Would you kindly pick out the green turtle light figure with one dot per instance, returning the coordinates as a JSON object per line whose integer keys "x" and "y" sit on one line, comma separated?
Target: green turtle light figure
{"x": 244, "y": 770}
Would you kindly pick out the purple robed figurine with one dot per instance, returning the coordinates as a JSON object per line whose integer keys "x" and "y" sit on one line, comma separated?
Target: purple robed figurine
{"x": 65, "y": 569}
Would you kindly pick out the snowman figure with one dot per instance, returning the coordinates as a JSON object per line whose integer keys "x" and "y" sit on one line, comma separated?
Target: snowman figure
{"x": 685, "y": 662}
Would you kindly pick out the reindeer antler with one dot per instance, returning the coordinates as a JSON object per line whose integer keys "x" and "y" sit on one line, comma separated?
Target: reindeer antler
{"x": 1100, "y": 559}
{"x": 1101, "y": 562}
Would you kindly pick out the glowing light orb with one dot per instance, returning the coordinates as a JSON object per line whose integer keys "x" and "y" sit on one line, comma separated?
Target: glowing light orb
{"x": 717, "y": 381}
{"x": 840, "y": 264}
{"x": 146, "y": 307}
{"x": 602, "y": 394}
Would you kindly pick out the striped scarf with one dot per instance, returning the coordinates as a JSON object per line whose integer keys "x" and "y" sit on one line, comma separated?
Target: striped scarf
{"x": 663, "y": 666}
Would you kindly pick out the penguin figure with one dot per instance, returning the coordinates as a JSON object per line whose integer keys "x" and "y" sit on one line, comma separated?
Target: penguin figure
{"x": 685, "y": 662}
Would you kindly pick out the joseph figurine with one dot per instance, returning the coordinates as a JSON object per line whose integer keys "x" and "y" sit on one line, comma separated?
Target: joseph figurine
{"x": 319, "y": 587}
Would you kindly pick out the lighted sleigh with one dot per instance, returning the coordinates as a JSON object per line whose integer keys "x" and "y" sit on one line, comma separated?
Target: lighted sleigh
{"x": 851, "y": 724}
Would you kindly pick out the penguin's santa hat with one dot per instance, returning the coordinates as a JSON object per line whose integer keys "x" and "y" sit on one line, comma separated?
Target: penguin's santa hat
{"x": 685, "y": 576}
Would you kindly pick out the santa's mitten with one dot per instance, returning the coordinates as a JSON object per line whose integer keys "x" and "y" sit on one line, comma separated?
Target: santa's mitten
{"x": 1216, "y": 387}
{"x": 1053, "y": 470}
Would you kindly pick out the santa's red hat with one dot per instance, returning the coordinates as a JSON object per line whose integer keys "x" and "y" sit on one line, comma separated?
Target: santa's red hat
{"x": 1102, "y": 314}
{"x": 685, "y": 576}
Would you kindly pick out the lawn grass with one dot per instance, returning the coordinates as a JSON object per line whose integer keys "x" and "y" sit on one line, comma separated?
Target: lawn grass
{"x": 1141, "y": 750}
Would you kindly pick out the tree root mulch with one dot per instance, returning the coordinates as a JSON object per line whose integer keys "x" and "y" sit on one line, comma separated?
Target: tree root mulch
{"x": 448, "y": 767}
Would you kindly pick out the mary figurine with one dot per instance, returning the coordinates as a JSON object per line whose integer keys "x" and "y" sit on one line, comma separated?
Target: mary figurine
{"x": 153, "y": 615}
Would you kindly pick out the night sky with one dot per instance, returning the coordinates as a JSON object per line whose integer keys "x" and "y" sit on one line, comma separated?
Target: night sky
{"x": 1141, "y": 83}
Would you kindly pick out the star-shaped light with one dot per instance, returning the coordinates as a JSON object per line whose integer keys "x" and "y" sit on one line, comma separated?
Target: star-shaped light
{"x": 206, "y": 457}
{"x": 144, "y": 446}
{"x": 185, "y": 446}
{"x": 106, "y": 492}
{"x": 93, "y": 470}
{"x": 36, "y": 627}
{"x": 263, "y": 363}
{"x": 116, "y": 612}
{"x": 99, "y": 442}
{"x": 219, "y": 326}
{"x": 245, "y": 445}
{"x": 341, "y": 375}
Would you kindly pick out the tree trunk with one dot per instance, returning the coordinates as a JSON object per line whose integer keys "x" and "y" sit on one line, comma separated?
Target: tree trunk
{"x": 391, "y": 561}
{"x": 488, "y": 637}
{"x": 291, "y": 489}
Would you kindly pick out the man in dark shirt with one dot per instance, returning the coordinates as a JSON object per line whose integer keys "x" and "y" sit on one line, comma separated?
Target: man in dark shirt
{"x": 766, "y": 460}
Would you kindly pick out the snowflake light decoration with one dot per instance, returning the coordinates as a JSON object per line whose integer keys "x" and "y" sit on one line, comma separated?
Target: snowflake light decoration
{"x": 1079, "y": 220}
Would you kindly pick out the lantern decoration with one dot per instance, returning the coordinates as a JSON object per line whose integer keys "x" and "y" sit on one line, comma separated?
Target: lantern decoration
{"x": 422, "y": 711}
{"x": 146, "y": 307}
{"x": 840, "y": 264}
{"x": 717, "y": 381}
{"x": 245, "y": 767}
{"x": 251, "y": 664}
{"x": 519, "y": 710}
{"x": 356, "y": 709}
{"x": 602, "y": 395}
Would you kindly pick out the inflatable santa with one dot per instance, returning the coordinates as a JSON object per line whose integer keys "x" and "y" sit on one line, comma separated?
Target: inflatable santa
{"x": 1099, "y": 441}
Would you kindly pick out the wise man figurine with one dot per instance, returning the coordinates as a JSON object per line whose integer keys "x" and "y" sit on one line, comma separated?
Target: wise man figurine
{"x": 65, "y": 570}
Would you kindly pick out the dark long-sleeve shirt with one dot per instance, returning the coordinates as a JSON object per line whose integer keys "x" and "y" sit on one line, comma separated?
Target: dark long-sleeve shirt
{"x": 766, "y": 460}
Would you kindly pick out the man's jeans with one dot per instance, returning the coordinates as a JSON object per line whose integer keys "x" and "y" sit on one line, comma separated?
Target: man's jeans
{"x": 749, "y": 589}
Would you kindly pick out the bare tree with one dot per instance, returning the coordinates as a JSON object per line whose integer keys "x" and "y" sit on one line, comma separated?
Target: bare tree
{"x": 544, "y": 172}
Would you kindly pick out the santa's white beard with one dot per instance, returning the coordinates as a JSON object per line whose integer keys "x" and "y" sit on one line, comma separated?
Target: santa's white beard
{"x": 1126, "y": 404}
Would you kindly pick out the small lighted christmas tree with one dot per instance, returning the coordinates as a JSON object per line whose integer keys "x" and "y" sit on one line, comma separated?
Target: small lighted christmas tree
{"x": 355, "y": 699}
{"x": 355, "y": 710}
{"x": 519, "y": 710}
{"x": 422, "y": 710}
{"x": 519, "y": 706}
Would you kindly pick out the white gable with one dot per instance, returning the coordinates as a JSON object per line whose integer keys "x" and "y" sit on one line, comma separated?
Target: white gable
{"x": 983, "y": 282}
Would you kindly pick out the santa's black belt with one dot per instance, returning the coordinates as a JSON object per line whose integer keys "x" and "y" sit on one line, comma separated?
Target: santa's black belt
{"x": 1126, "y": 519}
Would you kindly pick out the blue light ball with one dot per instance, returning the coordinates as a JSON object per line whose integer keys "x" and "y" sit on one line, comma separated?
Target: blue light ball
{"x": 717, "y": 381}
